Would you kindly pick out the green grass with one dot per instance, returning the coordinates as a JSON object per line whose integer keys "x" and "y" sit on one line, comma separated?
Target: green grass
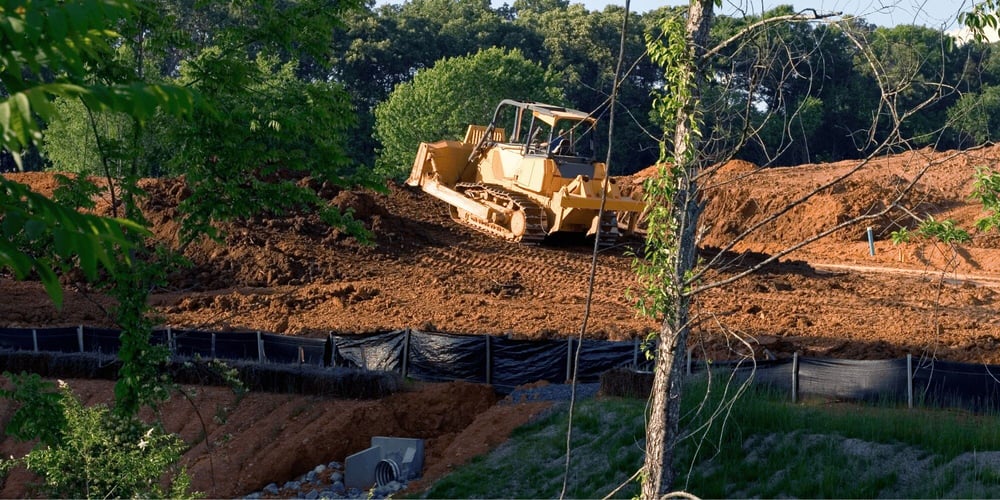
{"x": 607, "y": 445}
{"x": 759, "y": 445}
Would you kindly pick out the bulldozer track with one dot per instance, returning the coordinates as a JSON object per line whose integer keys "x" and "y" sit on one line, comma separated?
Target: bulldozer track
{"x": 609, "y": 233}
{"x": 534, "y": 215}
{"x": 542, "y": 271}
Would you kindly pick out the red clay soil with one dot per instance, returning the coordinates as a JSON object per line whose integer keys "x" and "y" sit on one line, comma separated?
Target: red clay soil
{"x": 830, "y": 298}
{"x": 261, "y": 438}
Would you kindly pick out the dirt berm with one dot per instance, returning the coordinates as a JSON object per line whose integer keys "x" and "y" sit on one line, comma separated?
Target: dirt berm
{"x": 293, "y": 275}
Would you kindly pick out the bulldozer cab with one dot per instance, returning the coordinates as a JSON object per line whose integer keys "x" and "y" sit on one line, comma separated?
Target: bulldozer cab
{"x": 534, "y": 130}
{"x": 546, "y": 130}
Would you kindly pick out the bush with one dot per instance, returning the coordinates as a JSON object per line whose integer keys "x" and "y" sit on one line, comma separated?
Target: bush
{"x": 90, "y": 452}
{"x": 441, "y": 102}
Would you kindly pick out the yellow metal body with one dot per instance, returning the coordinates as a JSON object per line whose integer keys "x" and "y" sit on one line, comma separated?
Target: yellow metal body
{"x": 568, "y": 188}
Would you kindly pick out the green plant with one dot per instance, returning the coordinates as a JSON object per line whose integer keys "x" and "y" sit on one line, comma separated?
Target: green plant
{"x": 766, "y": 447}
{"x": 945, "y": 231}
{"x": 900, "y": 236}
{"x": 90, "y": 452}
{"x": 39, "y": 414}
{"x": 606, "y": 447}
{"x": 986, "y": 189}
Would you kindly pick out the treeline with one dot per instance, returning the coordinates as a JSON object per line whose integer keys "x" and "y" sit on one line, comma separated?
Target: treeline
{"x": 297, "y": 85}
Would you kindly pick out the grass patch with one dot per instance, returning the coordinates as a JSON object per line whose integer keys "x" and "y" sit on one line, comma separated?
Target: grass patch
{"x": 607, "y": 444}
{"x": 759, "y": 445}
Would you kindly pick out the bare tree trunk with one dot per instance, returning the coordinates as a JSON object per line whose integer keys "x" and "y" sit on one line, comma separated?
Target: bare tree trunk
{"x": 663, "y": 425}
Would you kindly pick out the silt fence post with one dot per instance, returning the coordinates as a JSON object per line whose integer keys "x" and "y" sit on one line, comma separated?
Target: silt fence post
{"x": 795, "y": 377}
{"x": 909, "y": 381}
{"x": 406, "y": 352}
{"x": 489, "y": 359}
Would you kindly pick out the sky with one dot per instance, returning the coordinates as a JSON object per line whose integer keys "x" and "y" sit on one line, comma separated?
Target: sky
{"x": 930, "y": 13}
{"x": 941, "y": 14}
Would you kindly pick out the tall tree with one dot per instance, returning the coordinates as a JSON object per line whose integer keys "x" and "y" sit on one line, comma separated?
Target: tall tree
{"x": 670, "y": 273}
{"x": 441, "y": 102}
{"x": 580, "y": 46}
{"x": 267, "y": 121}
{"x": 673, "y": 222}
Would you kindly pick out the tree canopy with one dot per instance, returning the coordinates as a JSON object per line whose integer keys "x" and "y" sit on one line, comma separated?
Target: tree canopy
{"x": 443, "y": 100}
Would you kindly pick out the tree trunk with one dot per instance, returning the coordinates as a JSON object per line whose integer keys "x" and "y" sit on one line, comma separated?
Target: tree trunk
{"x": 662, "y": 428}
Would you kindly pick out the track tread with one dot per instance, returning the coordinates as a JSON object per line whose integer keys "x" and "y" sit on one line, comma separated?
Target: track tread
{"x": 536, "y": 227}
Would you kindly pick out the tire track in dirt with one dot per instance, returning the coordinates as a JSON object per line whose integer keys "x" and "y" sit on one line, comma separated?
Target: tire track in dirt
{"x": 991, "y": 281}
{"x": 550, "y": 272}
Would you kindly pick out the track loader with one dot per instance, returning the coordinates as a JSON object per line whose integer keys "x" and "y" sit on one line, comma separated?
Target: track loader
{"x": 529, "y": 173}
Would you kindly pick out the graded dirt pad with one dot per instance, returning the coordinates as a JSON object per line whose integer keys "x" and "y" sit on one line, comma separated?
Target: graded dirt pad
{"x": 294, "y": 275}
{"x": 830, "y": 298}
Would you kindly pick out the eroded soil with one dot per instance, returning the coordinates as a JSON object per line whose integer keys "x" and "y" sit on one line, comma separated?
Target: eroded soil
{"x": 293, "y": 275}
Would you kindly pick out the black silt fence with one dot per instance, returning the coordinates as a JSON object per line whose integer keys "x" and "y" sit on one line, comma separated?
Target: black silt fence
{"x": 17, "y": 339}
{"x": 439, "y": 356}
{"x": 945, "y": 384}
{"x": 380, "y": 351}
{"x": 61, "y": 339}
{"x": 507, "y": 363}
{"x": 190, "y": 343}
{"x": 101, "y": 340}
{"x": 867, "y": 380}
{"x": 235, "y": 346}
{"x": 292, "y": 350}
{"x": 517, "y": 362}
{"x": 599, "y": 356}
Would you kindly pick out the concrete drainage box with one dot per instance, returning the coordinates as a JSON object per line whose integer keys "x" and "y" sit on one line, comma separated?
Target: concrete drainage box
{"x": 389, "y": 459}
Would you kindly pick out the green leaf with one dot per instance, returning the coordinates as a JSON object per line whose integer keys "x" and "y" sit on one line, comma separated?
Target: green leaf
{"x": 51, "y": 283}
{"x": 34, "y": 229}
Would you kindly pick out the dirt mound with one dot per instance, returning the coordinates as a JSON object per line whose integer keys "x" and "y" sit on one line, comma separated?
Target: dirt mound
{"x": 239, "y": 444}
{"x": 295, "y": 275}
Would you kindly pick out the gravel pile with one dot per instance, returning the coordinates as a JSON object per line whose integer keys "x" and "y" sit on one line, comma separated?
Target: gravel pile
{"x": 550, "y": 392}
{"x": 324, "y": 481}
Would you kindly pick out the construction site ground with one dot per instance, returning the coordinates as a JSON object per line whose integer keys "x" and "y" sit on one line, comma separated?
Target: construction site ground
{"x": 293, "y": 275}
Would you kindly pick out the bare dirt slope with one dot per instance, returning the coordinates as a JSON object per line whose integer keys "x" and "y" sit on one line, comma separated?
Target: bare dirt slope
{"x": 294, "y": 275}
{"x": 240, "y": 444}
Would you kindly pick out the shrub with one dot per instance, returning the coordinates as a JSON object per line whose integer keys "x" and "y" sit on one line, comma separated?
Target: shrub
{"x": 91, "y": 452}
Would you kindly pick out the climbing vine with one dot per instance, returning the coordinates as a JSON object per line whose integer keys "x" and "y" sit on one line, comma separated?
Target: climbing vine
{"x": 655, "y": 270}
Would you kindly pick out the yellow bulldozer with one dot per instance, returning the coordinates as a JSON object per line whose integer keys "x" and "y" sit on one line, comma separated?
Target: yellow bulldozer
{"x": 529, "y": 173}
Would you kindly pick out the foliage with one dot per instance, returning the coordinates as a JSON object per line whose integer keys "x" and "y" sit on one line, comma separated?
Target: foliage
{"x": 88, "y": 240}
{"x": 982, "y": 16}
{"x": 269, "y": 128}
{"x": 945, "y": 231}
{"x": 804, "y": 458}
{"x": 916, "y": 65}
{"x": 986, "y": 189}
{"x": 775, "y": 436}
{"x": 442, "y": 101}
{"x": 279, "y": 137}
{"x": 142, "y": 379}
{"x": 900, "y": 236}
{"x": 44, "y": 53}
{"x": 977, "y": 115}
{"x": 379, "y": 48}
{"x": 89, "y": 452}
{"x": 606, "y": 434}
{"x": 789, "y": 80}
{"x": 655, "y": 271}
{"x": 40, "y": 412}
